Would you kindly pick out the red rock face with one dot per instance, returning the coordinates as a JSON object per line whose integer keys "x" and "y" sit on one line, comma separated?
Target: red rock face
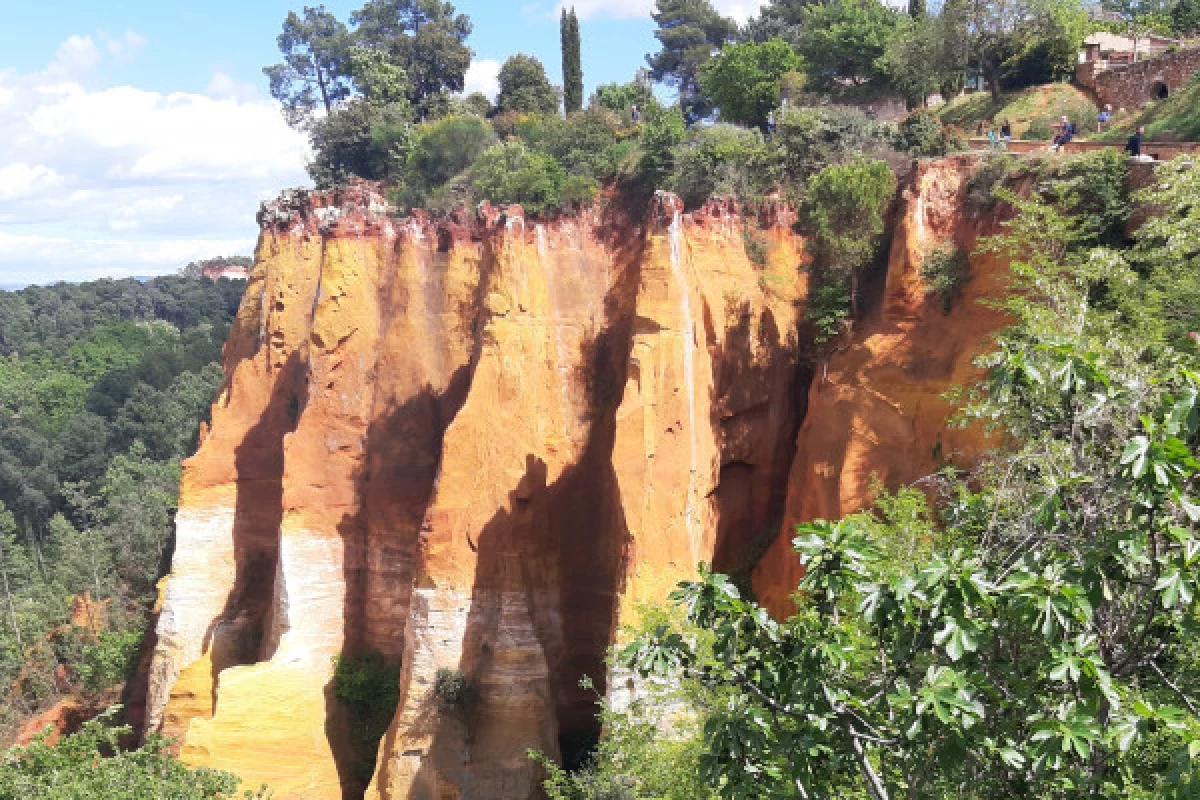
{"x": 475, "y": 445}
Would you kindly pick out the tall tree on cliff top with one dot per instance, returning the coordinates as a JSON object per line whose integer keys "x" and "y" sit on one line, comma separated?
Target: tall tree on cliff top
{"x": 572, "y": 64}
{"x": 842, "y": 41}
{"x": 779, "y": 19}
{"x": 314, "y": 72}
{"x": 690, "y": 32}
{"x": 525, "y": 88}
{"x": 425, "y": 38}
{"x": 996, "y": 31}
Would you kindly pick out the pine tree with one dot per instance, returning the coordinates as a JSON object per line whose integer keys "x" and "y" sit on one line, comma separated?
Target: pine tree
{"x": 690, "y": 32}
{"x": 572, "y": 65}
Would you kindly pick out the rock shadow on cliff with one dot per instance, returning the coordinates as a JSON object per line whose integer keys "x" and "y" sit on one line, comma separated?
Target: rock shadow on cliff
{"x": 238, "y": 636}
{"x": 397, "y": 483}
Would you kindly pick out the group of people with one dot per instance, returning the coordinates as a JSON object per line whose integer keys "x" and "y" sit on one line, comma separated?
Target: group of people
{"x": 996, "y": 138}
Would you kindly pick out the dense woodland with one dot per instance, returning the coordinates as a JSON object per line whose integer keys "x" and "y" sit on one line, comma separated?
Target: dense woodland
{"x": 102, "y": 389}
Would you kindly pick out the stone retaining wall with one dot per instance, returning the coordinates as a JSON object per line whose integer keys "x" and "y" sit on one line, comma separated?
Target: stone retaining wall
{"x": 1134, "y": 85}
{"x": 1162, "y": 151}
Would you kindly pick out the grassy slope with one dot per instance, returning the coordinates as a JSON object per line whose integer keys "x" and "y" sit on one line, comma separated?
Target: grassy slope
{"x": 1041, "y": 103}
{"x": 1175, "y": 119}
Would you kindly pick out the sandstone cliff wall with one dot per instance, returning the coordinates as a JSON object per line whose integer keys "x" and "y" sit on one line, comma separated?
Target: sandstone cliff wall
{"x": 876, "y": 409}
{"x": 475, "y": 445}
{"x": 479, "y": 444}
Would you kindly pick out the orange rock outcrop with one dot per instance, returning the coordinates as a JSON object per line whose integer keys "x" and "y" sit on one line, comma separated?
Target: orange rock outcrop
{"x": 876, "y": 408}
{"x": 473, "y": 445}
{"x": 477, "y": 445}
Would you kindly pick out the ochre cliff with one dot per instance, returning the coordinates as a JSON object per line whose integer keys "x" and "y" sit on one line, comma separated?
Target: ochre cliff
{"x": 479, "y": 444}
{"x": 876, "y": 408}
{"x": 475, "y": 445}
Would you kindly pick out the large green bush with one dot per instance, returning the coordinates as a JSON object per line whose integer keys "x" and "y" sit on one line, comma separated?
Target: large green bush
{"x": 810, "y": 139}
{"x": 663, "y": 132}
{"x": 923, "y": 134}
{"x": 721, "y": 160}
{"x": 845, "y": 206}
{"x": 743, "y": 80}
{"x": 92, "y": 765}
{"x": 512, "y": 173}
{"x": 368, "y": 686}
{"x": 358, "y": 139}
{"x": 445, "y": 148}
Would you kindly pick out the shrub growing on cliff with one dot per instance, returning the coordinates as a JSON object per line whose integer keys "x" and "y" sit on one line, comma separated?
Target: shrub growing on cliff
{"x": 443, "y": 149}
{"x": 358, "y": 139}
{"x": 721, "y": 160}
{"x": 810, "y": 139}
{"x": 368, "y": 685}
{"x": 662, "y": 134}
{"x": 923, "y": 134}
{"x": 943, "y": 271}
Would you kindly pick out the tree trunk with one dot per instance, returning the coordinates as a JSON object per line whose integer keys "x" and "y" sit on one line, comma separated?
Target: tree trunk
{"x": 12, "y": 609}
{"x": 875, "y": 785}
{"x": 321, "y": 81}
{"x": 991, "y": 74}
{"x": 37, "y": 550}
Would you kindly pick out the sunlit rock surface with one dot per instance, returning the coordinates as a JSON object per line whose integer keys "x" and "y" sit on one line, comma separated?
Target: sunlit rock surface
{"x": 475, "y": 444}
{"x": 480, "y": 444}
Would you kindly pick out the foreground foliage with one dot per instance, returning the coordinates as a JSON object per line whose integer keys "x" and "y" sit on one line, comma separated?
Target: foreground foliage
{"x": 92, "y": 765}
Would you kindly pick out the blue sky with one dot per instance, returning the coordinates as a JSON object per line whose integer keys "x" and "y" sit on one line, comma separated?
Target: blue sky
{"x": 136, "y": 136}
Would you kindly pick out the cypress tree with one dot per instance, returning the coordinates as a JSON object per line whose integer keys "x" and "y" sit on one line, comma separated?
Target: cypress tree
{"x": 572, "y": 66}
{"x": 917, "y": 9}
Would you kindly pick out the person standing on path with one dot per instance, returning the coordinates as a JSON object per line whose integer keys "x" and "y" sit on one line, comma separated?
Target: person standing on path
{"x": 1134, "y": 145}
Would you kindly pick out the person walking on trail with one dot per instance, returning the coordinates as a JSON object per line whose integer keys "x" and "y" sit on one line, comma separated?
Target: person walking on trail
{"x": 1134, "y": 145}
{"x": 635, "y": 115}
{"x": 1066, "y": 133}
{"x": 1006, "y": 131}
{"x": 1103, "y": 117}
{"x": 771, "y": 125}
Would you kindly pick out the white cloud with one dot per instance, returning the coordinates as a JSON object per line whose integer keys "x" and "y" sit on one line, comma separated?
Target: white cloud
{"x": 19, "y": 179}
{"x": 740, "y": 10}
{"x": 483, "y": 76}
{"x": 124, "y": 47}
{"x": 75, "y": 56}
{"x": 116, "y": 180}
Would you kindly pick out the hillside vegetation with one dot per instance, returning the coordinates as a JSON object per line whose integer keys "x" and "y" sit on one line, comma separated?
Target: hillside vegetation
{"x": 1031, "y": 111}
{"x": 102, "y": 388}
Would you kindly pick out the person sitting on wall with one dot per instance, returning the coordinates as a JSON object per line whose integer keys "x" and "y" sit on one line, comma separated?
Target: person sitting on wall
{"x": 1065, "y": 134}
{"x": 994, "y": 141}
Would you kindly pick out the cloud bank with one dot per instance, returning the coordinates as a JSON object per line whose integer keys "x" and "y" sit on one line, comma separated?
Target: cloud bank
{"x": 116, "y": 180}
